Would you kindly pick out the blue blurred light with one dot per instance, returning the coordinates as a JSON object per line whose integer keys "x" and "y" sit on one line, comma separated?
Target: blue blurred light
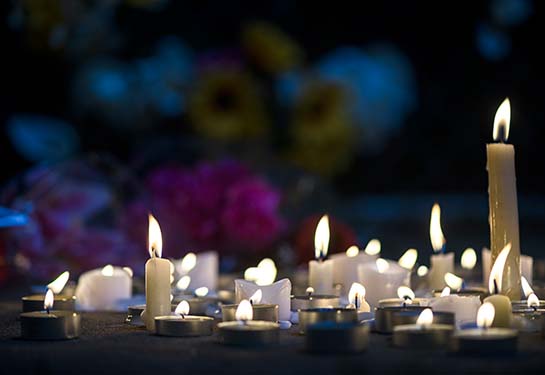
{"x": 108, "y": 84}
{"x": 493, "y": 44}
{"x": 511, "y": 12}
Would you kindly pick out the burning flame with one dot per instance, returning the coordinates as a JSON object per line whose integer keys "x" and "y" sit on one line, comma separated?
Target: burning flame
{"x": 201, "y": 292}
{"x": 155, "y": 239}
{"x": 244, "y": 311}
{"x": 469, "y": 259}
{"x": 266, "y": 272}
{"x": 408, "y": 259}
{"x": 485, "y": 315}
{"x": 436, "y": 233}
{"x": 445, "y": 292}
{"x": 382, "y": 265}
{"x": 502, "y": 121}
{"x": 182, "y": 308}
{"x": 48, "y": 300}
{"x": 183, "y": 283}
{"x": 533, "y": 301}
{"x": 321, "y": 238}
{"x": 453, "y": 281}
{"x": 352, "y": 251}
{"x": 58, "y": 284}
{"x": 251, "y": 273}
{"x": 496, "y": 273}
{"x": 189, "y": 262}
{"x": 108, "y": 270}
{"x": 526, "y": 288}
{"x": 128, "y": 271}
{"x": 425, "y": 319}
{"x": 373, "y": 247}
{"x": 256, "y": 297}
{"x": 422, "y": 271}
{"x": 404, "y": 292}
{"x": 356, "y": 295}
{"x": 310, "y": 290}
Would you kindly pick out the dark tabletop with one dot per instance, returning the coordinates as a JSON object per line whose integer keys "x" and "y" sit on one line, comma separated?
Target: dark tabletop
{"x": 107, "y": 345}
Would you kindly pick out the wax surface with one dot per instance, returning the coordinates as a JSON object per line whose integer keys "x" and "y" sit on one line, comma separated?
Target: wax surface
{"x": 464, "y": 307}
{"x": 504, "y": 219}
{"x": 320, "y": 276}
{"x": 157, "y": 291}
{"x": 380, "y": 286}
{"x": 503, "y": 310}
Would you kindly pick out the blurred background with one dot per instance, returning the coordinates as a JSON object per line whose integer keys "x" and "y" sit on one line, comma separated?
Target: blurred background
{"x": 239, "y": 125}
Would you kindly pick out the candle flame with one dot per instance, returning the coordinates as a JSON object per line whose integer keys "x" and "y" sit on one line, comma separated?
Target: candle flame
{"x": 422, "y": 271}
{"x": 496, "y": 273}
{"x": 266, "y": 272}
{"x": 469, "y": 258}
{"x": 244, "y": 311}
{"x": 201, "y": 292}
{"x": 128, "y": 271}
{"x": 485, "y": 315}
{"x": 49, "y": 299}
{"x": 310, "y": 290}
{"x": 183, "y": 283}
{"x": 155, "y": 239}
{"x": 445, "y": 292}
{"x": 502, "y": 121}
{"x": 526, "y": 288}
{"x": 382, "y": 265}
{"x": 321, "y": 238}
{"x": 251, "y": 273}
{"x": 256, "y": 297}
{"x": 108, "y": 270}
{"x": 356, "y": 294}
{"x": 58, "y": 284}
{"x": 373, "y": 247}
{"x": 425, "y": 319}
{"x": 533, "y": 301}
{"x": 189, "y": 261}
{"x": 453, "y": 281}
{"x": 436, "y": 233}
{"x": 182, "y": 308}
{"x": 352, "y": 251}
{"x": 408, "y": 259}
{"x": 406, "y": 293}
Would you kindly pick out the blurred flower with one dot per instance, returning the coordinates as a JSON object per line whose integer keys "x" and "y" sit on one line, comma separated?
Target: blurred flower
{"x": 322, "y": 133}
{"x": 493, "y": 43}
{"x": 226, "y": 105}
{"x": 342, "y": 237}
{"x": 381, "y": 82}
{"x": 270, "y": 48}
{"x": 288, "y": 87}
{"x": 511, "y": 12}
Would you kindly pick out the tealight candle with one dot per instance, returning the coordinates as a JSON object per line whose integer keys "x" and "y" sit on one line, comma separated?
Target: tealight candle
{"x": 384, "y": 316}
{"x": 309, "y": 317}
{"x": 440, "y": 263}
{"x": 320, "y": 272}
{"x": 356, "y": 300}
{"x": 382, "y": 278}
{"x": 199, "y": 302}
{"x": 247, "y": 332}
{"x": 405, "y": 296}
{"x": 425, "y": 334}
{"x": 311, "y": 300}
{"x": 265, "y": 312}
{"x": 50, "y": 324}
{"x": 501, "y": 303}
{"x": 528, "y": 319}
{"x": 463, "y": 307}
{"x": 183, "y": 325}
{"x": 62, "y": 302}
{"x": 484, "y": 340}
{"x": 337, "y": 338}
{"x": 527, "y": 291}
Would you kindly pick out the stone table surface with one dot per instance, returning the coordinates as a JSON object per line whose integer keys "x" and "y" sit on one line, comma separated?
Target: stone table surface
{"x": 108, "y": 345}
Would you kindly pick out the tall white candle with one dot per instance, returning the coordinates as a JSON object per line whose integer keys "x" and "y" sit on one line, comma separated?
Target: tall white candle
{"x": 440, "y": 263}
{"x": 320, "y": 273}
{"x": 157, "y": 278}
{"x": 502, "y": 193}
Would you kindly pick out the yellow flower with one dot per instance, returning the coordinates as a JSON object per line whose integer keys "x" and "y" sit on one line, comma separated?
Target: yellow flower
{"x": 226, "y": 106}
{"x": 270, "y": 48}
{"x": 322, "y": 131}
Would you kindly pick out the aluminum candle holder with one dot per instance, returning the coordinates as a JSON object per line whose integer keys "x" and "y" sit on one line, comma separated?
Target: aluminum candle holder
{"x": 198, "y": 305}
{"x": 308, "y": 317}
{"x": 183, "y": 326}
{"x": 528, "y": 319}
{"x": 337, "y": 338}
{"x": 522, "y": 304}
{"x": 36, "y": 303}
{"x": 50, "y": 325}
{"x": 492, "y": 341}
{"x": 253, "y": 333}
{"x": 397, "y": 302}
{"x": 482, "y": 293}
{"x": 384, "y": 316}
{"x": 411, "y": 316}
{"x": 313, "y": 301}
{"x": 414, "y": 336}
{"x": 264, "y": 312}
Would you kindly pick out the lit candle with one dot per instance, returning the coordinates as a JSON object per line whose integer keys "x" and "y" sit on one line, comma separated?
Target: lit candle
{"x": 311, "y": 300}
{"x": 528, "y": 318}
{"x": 356, "y": 300}
{"x": 157, "y": 278}
{"x": 263, "y": 274}
{"x": 526, "y": 265}
{"x": 502, "y": 303}
{"x": 408, "y": 259}
{"x": 320, "y": 272}
{"x": 62, "y": 302}
{"x": 502, "y": 190}
{"x": 261, "y": 311}
{"x": 104, "y": 288}
{"x": 278, "y": 293}
{"x": 345, "y": 265}
{"x": 425, "y": 334}
{"x": 181, "y": 324}
{"x": 440, "y": 263}
{"x": 382, "y": 278}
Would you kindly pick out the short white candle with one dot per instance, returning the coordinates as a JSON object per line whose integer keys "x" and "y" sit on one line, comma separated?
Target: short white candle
{"x": 440, "y": 263}
{"x": 103, "y": 288}
{"x": 278, "y": 293}
{"x": 320, "y": 274}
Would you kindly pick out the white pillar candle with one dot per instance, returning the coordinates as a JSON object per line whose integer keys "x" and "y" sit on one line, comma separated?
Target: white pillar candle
{"x": 526, "y": 266}
{"x": 202, "y": 268}
{"x": 464, "y": 308}
{"x": 103, "y": 288}
{"x": 320, "y": 273}
{"x": 278, "y": 293}
{"x": 345, "y": 265}
{"x": 502, "y": 191}
{"x": 381, "y": 279}
{"x": 440, "y": 263}
{"x": 157, "y": 278}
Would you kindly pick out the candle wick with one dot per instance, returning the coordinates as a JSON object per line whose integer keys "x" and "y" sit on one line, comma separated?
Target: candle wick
{"x": 47, "y": 309}
{"x": 251, "y": 302}
{"x": 356, "y": 301}
{"x": 496, "y": 289}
